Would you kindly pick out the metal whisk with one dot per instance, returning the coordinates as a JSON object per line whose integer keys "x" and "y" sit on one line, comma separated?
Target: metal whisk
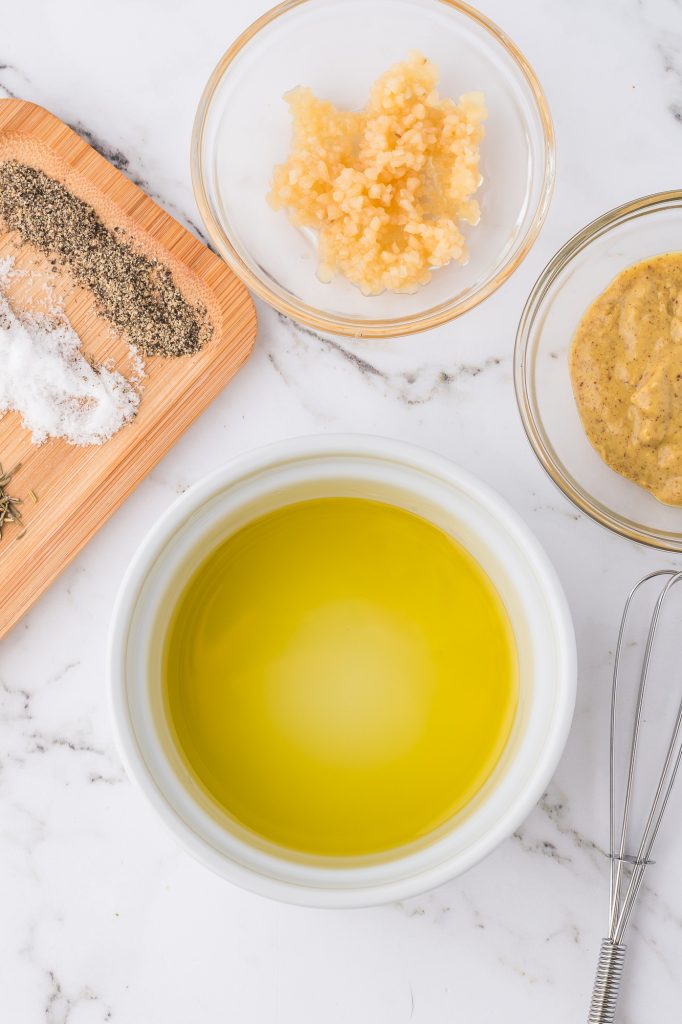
{"x": 627, "y": 869}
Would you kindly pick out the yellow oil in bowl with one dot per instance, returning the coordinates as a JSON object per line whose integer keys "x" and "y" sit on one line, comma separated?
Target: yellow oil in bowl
{"x": 340, "y": 676}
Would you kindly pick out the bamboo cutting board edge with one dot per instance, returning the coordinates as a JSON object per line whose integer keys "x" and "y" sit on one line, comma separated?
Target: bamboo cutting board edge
{"x": 80, "y": 488}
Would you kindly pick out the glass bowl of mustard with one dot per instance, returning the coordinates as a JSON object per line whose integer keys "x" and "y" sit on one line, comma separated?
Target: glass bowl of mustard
{"x": 338, "y": 49}
{"x": 577, "y": 275}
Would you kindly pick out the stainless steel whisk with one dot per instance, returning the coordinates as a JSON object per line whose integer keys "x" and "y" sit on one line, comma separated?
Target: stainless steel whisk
{"x": 627, "y": 869}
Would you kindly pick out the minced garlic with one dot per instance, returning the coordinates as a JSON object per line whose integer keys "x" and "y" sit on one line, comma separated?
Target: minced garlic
{"x": 387, "y": 187}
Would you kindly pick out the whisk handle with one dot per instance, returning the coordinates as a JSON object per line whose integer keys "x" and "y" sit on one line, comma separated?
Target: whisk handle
{"x": 607, "y": 983}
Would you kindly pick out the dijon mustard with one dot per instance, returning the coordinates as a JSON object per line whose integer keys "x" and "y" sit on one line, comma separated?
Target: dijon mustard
{"x": 626, "y": 371}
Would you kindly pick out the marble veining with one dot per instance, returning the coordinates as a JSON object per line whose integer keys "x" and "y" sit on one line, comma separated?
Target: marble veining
{"x": 103, "y": 918}
{"x": 414, "y": 385}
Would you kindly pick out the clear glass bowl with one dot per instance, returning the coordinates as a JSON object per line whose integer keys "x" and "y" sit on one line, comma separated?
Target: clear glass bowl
{"x": 338, "y": 48}
{"x": 568, "y": 285}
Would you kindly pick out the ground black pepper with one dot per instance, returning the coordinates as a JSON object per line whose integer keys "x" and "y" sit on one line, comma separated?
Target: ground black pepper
{"x": 136, "y": 293}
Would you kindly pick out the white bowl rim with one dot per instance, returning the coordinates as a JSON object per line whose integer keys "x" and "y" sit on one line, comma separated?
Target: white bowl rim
{"x": 271, "y": 455}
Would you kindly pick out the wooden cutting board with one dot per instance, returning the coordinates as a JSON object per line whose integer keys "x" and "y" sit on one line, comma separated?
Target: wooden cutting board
{"x": 78, "y": 488}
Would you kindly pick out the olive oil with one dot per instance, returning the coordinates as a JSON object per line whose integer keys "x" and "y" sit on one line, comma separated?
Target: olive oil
{"x": 340, "y": 676}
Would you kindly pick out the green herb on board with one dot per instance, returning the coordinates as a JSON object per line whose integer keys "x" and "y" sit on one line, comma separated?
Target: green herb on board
{"x": 9, "y": 506}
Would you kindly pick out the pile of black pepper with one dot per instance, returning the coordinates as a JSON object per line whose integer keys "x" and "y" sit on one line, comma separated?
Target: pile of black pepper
{"x": 135, "y": 293}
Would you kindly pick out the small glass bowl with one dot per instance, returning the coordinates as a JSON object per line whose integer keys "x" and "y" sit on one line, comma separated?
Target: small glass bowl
{"x": 338, "y": 48}
{"x": 570, "y": 282}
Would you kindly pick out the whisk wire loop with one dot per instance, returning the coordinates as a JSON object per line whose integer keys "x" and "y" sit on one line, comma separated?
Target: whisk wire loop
{"x": 626, "y": 870}
{"x": 620, "y": 908}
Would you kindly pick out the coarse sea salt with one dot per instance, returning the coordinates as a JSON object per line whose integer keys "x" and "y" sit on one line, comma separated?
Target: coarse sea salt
{"x": 45, "y": 377}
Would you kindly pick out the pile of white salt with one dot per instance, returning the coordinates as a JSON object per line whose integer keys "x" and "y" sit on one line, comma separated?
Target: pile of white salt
{"x": 45, "y": 377}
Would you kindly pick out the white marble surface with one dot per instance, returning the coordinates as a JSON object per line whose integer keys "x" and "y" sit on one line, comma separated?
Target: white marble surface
{"x": 102, "y": 917}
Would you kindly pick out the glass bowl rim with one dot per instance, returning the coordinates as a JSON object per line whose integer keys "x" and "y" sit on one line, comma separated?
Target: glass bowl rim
{"x": 358, "y": 327}
{"x": 665, "y": 540}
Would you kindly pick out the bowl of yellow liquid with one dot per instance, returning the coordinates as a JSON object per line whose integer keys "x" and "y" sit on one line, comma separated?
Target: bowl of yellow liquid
{"x": 341, "y": 670}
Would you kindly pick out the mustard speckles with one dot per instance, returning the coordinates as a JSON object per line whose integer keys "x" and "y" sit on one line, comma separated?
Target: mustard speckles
{"x": 626, "y": 369}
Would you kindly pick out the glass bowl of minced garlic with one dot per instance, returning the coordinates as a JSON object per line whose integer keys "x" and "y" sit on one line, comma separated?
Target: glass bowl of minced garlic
{"x": 373, "y": 168}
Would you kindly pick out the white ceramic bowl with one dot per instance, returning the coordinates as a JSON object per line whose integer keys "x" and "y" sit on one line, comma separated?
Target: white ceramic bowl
{"x": 390, "y": 471}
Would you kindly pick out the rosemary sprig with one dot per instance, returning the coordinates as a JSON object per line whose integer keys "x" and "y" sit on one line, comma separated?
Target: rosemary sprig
{"x": 9, "y": 507}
